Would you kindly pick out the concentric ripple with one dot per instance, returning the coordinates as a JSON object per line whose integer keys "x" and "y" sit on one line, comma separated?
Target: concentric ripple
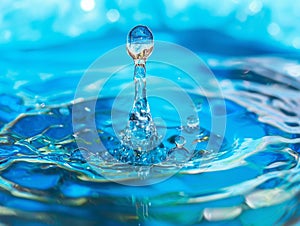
{"x": 45, "y": 178}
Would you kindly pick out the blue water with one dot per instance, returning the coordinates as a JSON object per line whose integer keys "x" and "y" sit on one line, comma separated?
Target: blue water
{"x": 46, "y": 179}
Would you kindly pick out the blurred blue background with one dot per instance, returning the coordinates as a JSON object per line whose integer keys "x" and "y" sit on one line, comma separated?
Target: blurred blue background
{"x": 214, "y": 26}
{"x": 42, "y": 40}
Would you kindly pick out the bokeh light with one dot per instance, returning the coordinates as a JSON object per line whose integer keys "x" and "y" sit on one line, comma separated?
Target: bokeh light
{"x": 271, "y": 23}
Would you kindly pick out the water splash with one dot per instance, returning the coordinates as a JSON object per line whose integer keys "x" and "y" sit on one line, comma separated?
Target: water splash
{"x": 140, "y": 143}
{"x": 140, "y": 134}
{"x": 44, "y": 176}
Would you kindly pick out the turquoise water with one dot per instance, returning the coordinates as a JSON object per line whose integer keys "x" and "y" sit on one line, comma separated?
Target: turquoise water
{"x": 46, "y": 179}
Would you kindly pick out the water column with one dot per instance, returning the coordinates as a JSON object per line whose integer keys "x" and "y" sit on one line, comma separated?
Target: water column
{"x": 140, "y": 133}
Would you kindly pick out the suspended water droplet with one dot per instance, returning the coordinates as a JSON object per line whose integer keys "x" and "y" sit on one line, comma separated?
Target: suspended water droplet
{"x": 193, "y": 121}
{"x": 140, "y": 43}
{"x": 192, "y": 124}
{"x": 180, "y": 141}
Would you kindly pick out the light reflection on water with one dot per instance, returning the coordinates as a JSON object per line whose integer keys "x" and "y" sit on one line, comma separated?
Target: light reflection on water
{"x": 253, "y": 179}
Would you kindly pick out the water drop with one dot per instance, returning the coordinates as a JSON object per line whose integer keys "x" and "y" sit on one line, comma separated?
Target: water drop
{"x": 140, "y": 43}
{"x": 180, "y": 141}
{"x": 193, "y": 121}
{"x": 179, "y": 154}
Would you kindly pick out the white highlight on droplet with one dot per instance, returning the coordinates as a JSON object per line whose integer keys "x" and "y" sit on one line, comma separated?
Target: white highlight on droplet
{"x": 113, "y": 15}
{"x": 87, "y": 5}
